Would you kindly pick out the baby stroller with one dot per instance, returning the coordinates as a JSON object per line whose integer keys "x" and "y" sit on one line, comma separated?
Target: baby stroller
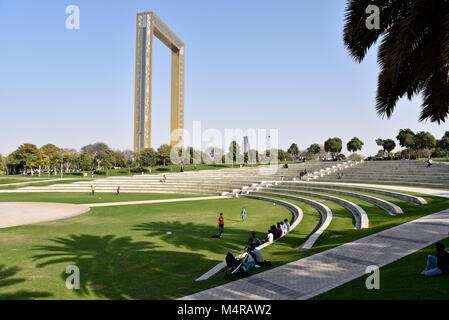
{"x": 236, "y": 266}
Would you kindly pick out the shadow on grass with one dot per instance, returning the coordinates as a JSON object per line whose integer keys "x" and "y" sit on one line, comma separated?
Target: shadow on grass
{"x": 7, "y": 279}
{"x": 119, "y": 268}
{"x": 195, "y": 237}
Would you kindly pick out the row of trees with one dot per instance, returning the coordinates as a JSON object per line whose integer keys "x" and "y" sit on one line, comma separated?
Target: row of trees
{"x": 421, "y": 144}
{"x": 28, "y": 158}
{"x": 52, "y": 159}
{"x": 416, "y": 145}
{"x": 99, "y": 156}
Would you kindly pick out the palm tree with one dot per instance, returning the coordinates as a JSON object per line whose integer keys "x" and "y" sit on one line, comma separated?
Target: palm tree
{"x": 413, "y": 52}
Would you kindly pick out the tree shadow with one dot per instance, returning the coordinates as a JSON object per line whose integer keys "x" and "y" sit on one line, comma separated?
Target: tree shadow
{"x": 7, "y": 279}
{"x": 195, "y": 236}
{"x": 118, "y": 268}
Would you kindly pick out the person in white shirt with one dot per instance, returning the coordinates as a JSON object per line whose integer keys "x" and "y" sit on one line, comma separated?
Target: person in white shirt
{"x": 284, "y": 228}
{"x": 270, "y": 237}
{"x": 287, "y": 225}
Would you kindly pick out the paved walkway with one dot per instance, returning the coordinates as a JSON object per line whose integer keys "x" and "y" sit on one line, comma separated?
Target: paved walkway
{"x": 127, "y": 203}
{"x": 431, "y": 192}
{"x": 311, "y": 276}
{"x": 21, "y": 213}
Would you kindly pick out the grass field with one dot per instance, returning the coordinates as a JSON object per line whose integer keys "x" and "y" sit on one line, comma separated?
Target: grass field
{"x": 400, "y": 280}
{"x": 78, "y": 197}
{"x": 16, "y": 180}
{"x": 154, "y": 170}
{"x": 124, "y": 252}
{"x": 21, "y": 183}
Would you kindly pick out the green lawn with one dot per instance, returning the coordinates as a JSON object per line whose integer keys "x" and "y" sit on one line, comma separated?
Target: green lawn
{"x": 124, "y": 252}
{"x": 341, "y": 230}
{"x": 79, "y": 197}
{"x": 9, "y": 180}
{"x": 22, "y": 183}
{"x": 400, "y": 280}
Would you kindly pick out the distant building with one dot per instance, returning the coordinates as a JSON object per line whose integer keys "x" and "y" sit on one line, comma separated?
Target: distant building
{"x": 246, "y": 146}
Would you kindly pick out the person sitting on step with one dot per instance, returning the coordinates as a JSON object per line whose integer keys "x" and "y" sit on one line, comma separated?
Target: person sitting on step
{"x": 257, "y": 255}
{"x": 439, "y": 264}
{"x": 253, "y": 240}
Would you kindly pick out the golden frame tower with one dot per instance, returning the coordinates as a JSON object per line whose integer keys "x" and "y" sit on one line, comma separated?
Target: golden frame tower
{"x": 149, "y": 25}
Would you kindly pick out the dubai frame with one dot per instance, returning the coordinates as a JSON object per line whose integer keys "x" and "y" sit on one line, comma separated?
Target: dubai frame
{"x": 149, "y": 25}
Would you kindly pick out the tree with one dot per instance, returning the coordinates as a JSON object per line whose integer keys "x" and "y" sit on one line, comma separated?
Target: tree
{"x": 355, "y": 157}
{"x": 425, "y": 141}
{"x": 54, "y": 155}
{"x": 413, "y": 54}
{"x": 354, "y": 145}
{"x": 69, "y": 157}
{"x": 119, "y": 159}
{"x": 235, "y": 152}
{"x": 444, "y": 145}
{"x": 293, "y": 150}
{"x": 102, "y": 154}
{"x": 379, "y": 142}
{"x": 388, "y": 145}
{"x": 252, "y": 156}
{"x": 147, "y": 157}
{"x": 314, "y": 148}
{"x": 42, "y": 160}
{"x": 406, "y": 138}
{"x": 333, "y": 145}
{"x": 163, "y": 154}
{"x": 129, "y": 158}
{"x": 95, "y": 148}
{"x": 307, "y": 155}
{"x": 284, "y": 156}
{"x": 25, "y": 157}
{"x": 85, "y": 161}
{"x": 2, "y": 163}
{"x": 213, "y": 155}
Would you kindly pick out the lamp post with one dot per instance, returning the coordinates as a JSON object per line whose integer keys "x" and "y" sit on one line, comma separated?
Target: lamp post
{"x": 62, "y": 163}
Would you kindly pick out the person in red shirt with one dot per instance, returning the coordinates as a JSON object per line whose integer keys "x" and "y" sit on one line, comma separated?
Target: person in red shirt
{"x": 220, "y": 225}
{"x": 118, "y": 191}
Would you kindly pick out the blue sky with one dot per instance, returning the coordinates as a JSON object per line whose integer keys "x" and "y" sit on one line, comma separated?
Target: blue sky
{"x": 249, "y": 64}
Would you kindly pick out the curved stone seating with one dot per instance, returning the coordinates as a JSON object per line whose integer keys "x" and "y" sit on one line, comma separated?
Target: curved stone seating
{"x": 221, "y": 181}
{"x": 397, "y": 195}
{"x": 401, "y": 173}
{"x": 297, "y": 217}
{"x": 390, "y": 183}
{"x": 389, "y": 207}
{"x": 325, "y": 212}
{"x": 360, "y": 216}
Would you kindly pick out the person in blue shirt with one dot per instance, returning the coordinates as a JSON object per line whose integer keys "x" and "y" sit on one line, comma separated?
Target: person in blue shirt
{"x": 243, "y": 213}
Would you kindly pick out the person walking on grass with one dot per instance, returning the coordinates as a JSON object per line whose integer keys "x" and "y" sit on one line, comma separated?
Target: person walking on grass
{"x": 243, "y": 213}
{"x": 92, "y": 188}
{"x": 118, "y": 191}
{"x": 220, "y": 225}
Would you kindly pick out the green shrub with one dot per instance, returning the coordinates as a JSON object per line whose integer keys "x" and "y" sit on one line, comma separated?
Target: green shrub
{"x": 75, "y": 173}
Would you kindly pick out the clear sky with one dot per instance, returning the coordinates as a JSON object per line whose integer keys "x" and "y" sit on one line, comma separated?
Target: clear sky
{"x": 249, "y": 64}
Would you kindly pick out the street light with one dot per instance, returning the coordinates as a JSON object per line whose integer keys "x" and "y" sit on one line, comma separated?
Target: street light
{"x": 62, "y": 160}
